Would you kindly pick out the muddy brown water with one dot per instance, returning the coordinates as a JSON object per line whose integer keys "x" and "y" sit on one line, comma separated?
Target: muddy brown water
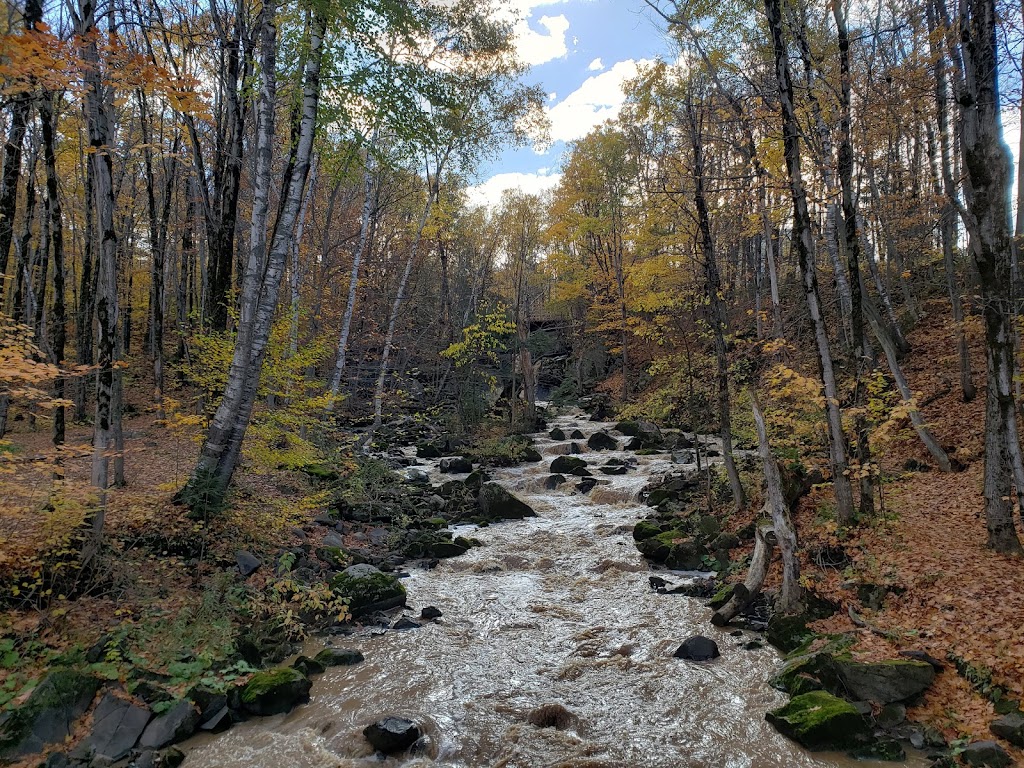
{"x": 555, "y": 609}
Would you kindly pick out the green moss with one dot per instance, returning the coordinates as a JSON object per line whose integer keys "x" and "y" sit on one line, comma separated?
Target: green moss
{"x": 61, "y": 689}
{"x": 819, "y": 720}
{"x": 799, "y": 676}
{"x": 645, "y": 529}
{"x": 262, "y": 683}
{"x": 366, "y": 591}
{"x": 787, "y": 633}
{"x": 722, "y": 596}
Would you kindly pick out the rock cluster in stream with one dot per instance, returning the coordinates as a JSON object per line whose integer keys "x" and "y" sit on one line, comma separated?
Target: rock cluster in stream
{"x": 140, "y": 730}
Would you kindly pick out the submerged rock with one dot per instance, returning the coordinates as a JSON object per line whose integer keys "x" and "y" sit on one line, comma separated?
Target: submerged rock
{"x": 392, "y": 734}
{"x": 698, "y": 648}
{"x": 551, "y": 716}
{"x": 275, "y": 691}
{"x": 551, "y": 482}
{"x": 338, "y": 657}
{"x": 820, "y": 721}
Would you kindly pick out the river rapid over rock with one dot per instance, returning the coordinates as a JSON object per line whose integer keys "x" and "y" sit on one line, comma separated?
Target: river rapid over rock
{"x": 555, "y": 609}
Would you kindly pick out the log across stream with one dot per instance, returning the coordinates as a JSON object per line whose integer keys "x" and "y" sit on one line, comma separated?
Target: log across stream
{"x": 555, "y": 609}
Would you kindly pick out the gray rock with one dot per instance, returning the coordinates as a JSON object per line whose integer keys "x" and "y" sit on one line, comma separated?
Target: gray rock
{"x": 698, "y": 648}
{"x": 48, "y": 715}
{"x": 987, "y": 754}
{"x": 392, "y": 734}
{"x": 174, "y": 725}
{"x": 885, "y": 682}
{"x": 892, "y": 715}
{"x": 430, "y": 612}
{"x": 568, "y": 465}
{"x": 334, "y": 540}
{"x": 116, "y": 727}
{"x": 577, "y": 435}
{"x": 495, "y": 502}
{"x": 417, "y": 476}
{"x": 455, "y": 465}
{"x": 602, "y": 441}
{"x": 219, "y": 721}
{"x": 1011, "y": 728}
{"x": 361, "y": 570}
{"x": 248, "y": 563}
{"x": 275, "y": 691}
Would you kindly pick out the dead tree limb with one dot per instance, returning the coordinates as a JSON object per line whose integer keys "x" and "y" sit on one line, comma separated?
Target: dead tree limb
{"x": 744, "y": 594}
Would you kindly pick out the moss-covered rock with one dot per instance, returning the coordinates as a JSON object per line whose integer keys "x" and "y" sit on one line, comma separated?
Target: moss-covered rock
{"x": 568, "y": 465}
{"x": 645, "y": 529}
{"x": 437, "y": 544}
{"x": 48, "y": 714}
{"x": 368, "y": 590}
{"x": 801, "y": 675}
{"x": 820, "y": 721}
{"x": 275, "y": 691}
{"x": 721, "y": 597}
{"x": 787, "y": 633}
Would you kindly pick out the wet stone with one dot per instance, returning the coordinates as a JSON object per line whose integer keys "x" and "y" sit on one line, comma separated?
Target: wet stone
{"x": 698, "y": 648}
{"x": 392, "y": 734}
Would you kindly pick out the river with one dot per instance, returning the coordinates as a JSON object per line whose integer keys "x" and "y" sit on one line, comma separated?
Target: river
{"x": 553, "y": 609}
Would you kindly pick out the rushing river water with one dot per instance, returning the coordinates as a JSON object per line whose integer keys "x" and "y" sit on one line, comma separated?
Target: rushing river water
{"x": 554, "y": 609}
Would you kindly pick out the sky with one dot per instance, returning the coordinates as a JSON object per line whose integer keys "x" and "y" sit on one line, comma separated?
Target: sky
{"x": 581, "y": 52}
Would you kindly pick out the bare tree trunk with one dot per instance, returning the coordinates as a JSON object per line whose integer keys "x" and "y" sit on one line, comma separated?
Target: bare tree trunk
{"x": 785, "y": 534}
{"x": 805, "y": 253}
{"x": 948, "y": 223}
{"x": 745, "y": 593}
{"x": 87, "y": 293}
{"x": 353, "y": 283}
{"x": 294, "y": 275}
{"x": 389, "y": 338}
{"x": 718, "y": 316}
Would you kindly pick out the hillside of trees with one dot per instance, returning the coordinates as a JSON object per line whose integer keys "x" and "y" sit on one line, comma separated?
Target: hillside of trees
{"x": 239, "y": 267}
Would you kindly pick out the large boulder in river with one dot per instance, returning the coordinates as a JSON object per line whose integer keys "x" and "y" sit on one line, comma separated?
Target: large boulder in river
{"x": 568, "y": 465}
{"x": 338, "y": 657}
{"x": 48, "y": 715}
{"x": 275, "y": 691}
{"x": 368, "y": 590}
{"x": 885, "y": 682}
{"x": 455, "y": 465}
{"x": 392, "y": 734}
{"x": 602, "y": 441}
{"x": 698, "y": 648}
{"x": 556, "y": 434}
{"x": 820, "y": 721}
{"x": 674, "y": 549}
{"x": 648, "y": 433}
{"x": 497, "y": 503}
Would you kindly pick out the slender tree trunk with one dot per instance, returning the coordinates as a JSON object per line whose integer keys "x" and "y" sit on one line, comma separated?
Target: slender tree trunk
{"x": 353, "y": 282}
{"x": 294, "y": 274}
{"x": 87, "y": 294}
{"x": 851, "y": 240}
{"x": 718, "y": 315}
{"x": 805, "y": 254}
{"x": 389, "y": 338}
{"x": 58, "y": 328}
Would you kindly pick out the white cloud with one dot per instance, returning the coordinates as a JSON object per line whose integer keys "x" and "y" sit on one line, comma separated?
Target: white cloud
{"x": 599, "y": 98}
{"x": 536, "y": 47}
{"x": 489, "y": 192}
{"x": 596, "y": 65}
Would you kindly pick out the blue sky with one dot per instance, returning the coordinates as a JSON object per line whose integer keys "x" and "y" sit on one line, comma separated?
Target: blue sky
{"x": 581, "y": 52}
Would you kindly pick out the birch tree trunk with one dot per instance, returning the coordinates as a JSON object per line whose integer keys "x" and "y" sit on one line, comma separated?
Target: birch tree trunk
{"x": 264, "y": 269}
{"x": 805, "y": 254}
{"x": 353, "y": 282}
